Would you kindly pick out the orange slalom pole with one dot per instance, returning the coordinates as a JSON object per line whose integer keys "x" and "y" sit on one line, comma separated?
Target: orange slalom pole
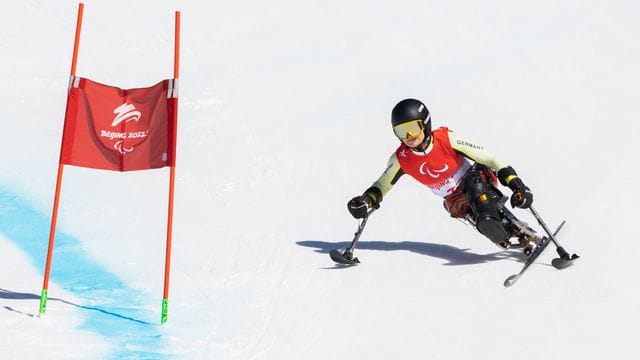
{"x": 172, "y": 176}
{"x": 76, "y": 42}
{"x": 56, "y": 200}
{"x": 176, "y": 47}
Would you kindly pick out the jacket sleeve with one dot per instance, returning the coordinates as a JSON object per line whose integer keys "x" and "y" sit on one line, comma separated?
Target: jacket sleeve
{"x": 475, "y": 152}
{"x": 478, "y": 154}
{"x": 385, "y": 182}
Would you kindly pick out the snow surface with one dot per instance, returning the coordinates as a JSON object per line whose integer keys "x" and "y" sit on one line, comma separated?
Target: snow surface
{"x": 284, "y": 110}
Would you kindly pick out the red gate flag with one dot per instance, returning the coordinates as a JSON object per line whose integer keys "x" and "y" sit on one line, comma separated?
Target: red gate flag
{"x": 109, "y": 128}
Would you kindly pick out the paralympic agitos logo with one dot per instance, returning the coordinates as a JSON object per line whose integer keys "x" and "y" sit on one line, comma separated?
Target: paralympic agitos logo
{"x": 424, "y": 170}
{"x": 125, "y": 141}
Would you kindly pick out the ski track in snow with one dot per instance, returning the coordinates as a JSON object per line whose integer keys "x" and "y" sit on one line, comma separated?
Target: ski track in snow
{"x": 112, "y": 309}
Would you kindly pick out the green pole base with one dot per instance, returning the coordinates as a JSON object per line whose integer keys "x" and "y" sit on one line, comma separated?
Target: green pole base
{"x": 43, "y": 302}
{"x": 165, "y": 310}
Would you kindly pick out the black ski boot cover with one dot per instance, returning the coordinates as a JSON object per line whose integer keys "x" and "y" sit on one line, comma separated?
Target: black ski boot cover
{"x": 492, "y": 228}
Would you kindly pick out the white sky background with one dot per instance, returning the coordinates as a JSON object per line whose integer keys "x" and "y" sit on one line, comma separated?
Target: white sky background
{"x": 284, "y": 110}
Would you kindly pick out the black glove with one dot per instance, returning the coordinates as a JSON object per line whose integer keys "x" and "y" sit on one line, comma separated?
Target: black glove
{"x": 522, "y": 197}
{"x": 359, "y": 206}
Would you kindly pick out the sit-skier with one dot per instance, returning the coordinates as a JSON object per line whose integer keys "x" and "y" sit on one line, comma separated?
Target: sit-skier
{"x": 459, "y": 170}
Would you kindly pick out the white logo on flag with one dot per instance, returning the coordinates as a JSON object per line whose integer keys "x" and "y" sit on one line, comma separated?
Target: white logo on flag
{"x": 121, "y": 148}
{"x": 125, "y": 112}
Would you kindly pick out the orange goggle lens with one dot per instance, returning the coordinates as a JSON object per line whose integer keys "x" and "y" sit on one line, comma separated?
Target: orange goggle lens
{"x": 409, "y": 129}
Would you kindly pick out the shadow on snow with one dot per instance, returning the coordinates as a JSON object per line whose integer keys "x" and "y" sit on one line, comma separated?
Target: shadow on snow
{"x": 453, "y": 255}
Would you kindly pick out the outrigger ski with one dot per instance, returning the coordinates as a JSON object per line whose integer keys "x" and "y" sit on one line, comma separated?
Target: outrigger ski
{"x": 340, "y": 258}
{"x": 346, "y": 257}
{"x": 561, "y": 263}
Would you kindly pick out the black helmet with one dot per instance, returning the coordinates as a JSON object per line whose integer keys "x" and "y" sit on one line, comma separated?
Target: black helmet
{"x": 409, "y": 110}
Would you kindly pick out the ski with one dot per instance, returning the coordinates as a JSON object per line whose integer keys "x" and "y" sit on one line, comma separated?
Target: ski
{"x": 338, "y": 257}
{"x": 532, "y": 258}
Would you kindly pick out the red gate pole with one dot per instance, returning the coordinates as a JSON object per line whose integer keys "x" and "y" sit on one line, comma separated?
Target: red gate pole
{"x": 172, "y": 174}
{"x": 56, "y": 200}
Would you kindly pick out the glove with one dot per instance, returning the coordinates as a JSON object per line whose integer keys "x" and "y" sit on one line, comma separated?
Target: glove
{"x": 522, "y": 197}
{"x": 359, "y": 206}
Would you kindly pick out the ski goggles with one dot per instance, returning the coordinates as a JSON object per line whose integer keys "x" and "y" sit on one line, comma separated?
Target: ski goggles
{"x": 409, "y": 129}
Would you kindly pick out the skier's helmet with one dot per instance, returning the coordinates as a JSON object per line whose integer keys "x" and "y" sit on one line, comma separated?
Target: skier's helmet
{"x": 408, "y": 117}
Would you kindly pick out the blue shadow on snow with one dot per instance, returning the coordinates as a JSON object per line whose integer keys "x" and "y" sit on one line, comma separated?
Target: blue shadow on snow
{"x": 113, "y": 310}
